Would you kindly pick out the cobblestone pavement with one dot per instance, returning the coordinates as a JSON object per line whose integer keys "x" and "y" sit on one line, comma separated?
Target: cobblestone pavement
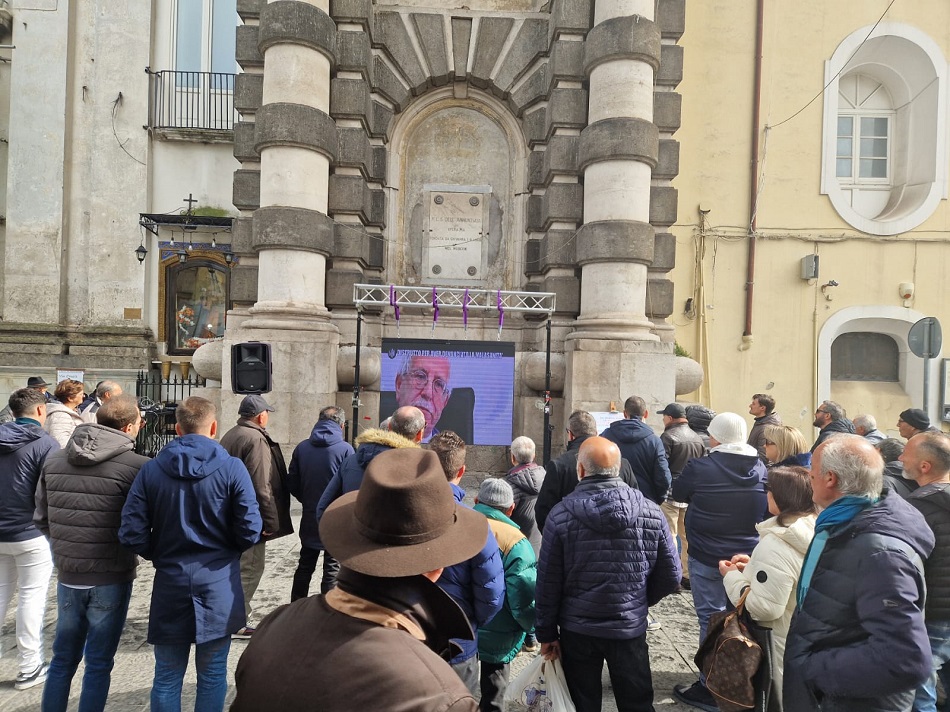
{"x": 671, "y": 647}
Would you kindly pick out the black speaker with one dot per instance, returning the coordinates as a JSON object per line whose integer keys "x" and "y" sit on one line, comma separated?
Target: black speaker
{"x": 251, "y": 368}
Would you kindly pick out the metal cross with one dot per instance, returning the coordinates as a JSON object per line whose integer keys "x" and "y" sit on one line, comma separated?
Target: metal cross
{"x": 191, "y": 201}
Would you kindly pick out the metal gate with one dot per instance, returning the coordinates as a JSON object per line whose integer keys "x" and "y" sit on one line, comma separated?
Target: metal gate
{"x": 158, "y": 398}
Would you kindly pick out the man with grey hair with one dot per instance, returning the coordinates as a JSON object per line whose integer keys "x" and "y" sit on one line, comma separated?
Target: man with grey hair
{"x": 104, "y": 391}
{"x": 560, "y": 476}
{"x": 423, "y": 382}
{"x": 831, "y": 418}
{"x": 858, "y": 639}
{"x": 607, "y": 555}
{"x": 927, "y": 460}
{"x": 866, "y": 427}
{"x": 405, "y": 430}
{"x": 525, "y": 478}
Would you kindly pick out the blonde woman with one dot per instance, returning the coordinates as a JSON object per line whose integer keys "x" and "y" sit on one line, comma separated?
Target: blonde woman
{"x": 771, "y": 572}
{"x": 785, "y": 446}
{"x": 62, "y": 414}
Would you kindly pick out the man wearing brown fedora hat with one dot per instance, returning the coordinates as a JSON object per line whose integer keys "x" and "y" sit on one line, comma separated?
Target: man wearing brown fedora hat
{"x": 381, "y": 638}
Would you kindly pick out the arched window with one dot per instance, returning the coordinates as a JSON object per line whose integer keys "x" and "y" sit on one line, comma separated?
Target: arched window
{"x": 865, "y": 356}
{"x": 884, "y": 148}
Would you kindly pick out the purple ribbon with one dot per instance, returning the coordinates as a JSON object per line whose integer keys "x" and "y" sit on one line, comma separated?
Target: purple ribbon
{"x": 501, "y": 313}
{"x": 465, "y": 310}
{"x": 435, "y": 308}
{"x": 392, "y": 301}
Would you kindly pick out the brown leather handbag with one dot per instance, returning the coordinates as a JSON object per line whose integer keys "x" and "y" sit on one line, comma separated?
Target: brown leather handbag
{"x": 730, "y": 659}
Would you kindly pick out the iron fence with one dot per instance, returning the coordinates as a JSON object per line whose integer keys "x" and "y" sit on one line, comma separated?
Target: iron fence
{"x": 191, "y": 100}
{"x": 158, "y": 399}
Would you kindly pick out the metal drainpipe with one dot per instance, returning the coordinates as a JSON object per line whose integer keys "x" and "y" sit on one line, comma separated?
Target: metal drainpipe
{"x": 753, "y": 176}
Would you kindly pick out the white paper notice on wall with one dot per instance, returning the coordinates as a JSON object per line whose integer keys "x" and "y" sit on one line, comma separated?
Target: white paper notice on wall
{"x": 73, "y": 375}
{"x": 605, "y": 418}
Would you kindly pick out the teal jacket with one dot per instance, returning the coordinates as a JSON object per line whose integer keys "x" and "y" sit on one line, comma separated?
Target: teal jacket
{"x": 500, "y": 639}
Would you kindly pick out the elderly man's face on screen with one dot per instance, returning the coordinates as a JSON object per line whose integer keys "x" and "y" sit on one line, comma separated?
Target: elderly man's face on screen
{"x": 424, "y": 383}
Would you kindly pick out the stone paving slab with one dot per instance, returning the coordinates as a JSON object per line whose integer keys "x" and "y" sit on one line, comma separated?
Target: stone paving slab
{"x": 671, "y": 648}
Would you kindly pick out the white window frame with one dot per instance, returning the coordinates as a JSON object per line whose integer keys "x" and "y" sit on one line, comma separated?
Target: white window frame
{"x": 908, "y": 209}
{"x": 207, "y": 35}
{"x": 856, "y": 178}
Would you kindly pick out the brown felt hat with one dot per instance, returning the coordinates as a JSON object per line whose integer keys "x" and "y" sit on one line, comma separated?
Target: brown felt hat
{"x": 403, "y": 520}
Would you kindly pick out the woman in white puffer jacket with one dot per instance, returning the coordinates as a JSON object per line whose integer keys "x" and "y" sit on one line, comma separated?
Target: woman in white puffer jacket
{"x": 773, "y": 569}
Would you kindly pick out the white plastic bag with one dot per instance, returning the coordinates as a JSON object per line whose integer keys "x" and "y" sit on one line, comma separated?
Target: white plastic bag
{"x": 541, "y": 687}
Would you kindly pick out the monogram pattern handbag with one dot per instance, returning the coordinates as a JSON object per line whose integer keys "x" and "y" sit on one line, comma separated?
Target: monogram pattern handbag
{"x": 730, "y": 658}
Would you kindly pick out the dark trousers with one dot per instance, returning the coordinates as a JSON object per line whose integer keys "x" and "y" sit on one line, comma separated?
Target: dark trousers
{"x": 628, "y": 662}
{"x": 304, "y": 573}
{"x": 494, "y": 682}
{"x": 467, "y": 670}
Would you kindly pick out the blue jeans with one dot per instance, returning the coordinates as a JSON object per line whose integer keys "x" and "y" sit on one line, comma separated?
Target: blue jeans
{"x": 88, "y": 619}
{"x": 709, "y": 592}
{"x": 709, "y": 595}
{"x": 926, "y": 698}
{"x": 211, "y": 661}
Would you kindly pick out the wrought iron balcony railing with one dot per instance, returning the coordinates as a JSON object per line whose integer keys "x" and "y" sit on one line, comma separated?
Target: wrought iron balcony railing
{"x": 191, "y": 100}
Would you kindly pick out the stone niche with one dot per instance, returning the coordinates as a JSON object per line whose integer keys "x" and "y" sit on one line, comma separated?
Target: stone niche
{"x": 457, "y": 198}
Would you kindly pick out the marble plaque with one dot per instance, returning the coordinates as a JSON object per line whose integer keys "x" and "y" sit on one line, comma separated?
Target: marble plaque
{"x": 455, "y": 227}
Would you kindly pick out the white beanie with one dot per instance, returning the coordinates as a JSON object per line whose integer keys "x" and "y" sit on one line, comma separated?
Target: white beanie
{"x": 728, "y": 429}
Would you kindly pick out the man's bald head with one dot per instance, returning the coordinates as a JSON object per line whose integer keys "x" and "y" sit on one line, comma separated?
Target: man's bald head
{"x": 598, "y": 456}
{"x": 409, "y": 422}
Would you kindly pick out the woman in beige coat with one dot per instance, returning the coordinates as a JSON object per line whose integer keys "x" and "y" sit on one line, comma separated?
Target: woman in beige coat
{"x": 772, "y": 571}
{"x": 62, "y": 414}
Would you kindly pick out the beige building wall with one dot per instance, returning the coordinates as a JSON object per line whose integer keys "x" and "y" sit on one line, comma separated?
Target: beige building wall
{"x": 794, "y": 320}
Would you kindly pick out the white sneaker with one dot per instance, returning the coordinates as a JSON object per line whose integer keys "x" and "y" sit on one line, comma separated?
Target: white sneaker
{"x": 653, "y": 623}
{"x": 26, "y": 680}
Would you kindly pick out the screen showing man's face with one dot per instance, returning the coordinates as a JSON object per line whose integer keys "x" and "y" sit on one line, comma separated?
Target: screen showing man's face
{"x": 425, "y": 385}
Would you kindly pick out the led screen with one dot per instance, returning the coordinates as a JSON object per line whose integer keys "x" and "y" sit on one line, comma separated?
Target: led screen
{"x": 465, "y": 386}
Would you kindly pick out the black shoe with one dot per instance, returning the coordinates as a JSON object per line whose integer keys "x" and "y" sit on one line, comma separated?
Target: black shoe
{"x": 684, "y": 584}
{"x": 696, "y": 695}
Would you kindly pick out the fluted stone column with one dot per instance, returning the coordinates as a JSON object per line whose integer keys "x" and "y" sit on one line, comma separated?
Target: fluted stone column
{"x": 613, "y": 352}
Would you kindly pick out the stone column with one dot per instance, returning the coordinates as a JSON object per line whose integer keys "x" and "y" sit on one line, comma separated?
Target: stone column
{"x": 291, "y": 233}
{"x": 613, "y": 351}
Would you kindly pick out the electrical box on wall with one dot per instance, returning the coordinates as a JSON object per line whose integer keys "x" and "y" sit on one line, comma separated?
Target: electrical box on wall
{"x": 810, "y": 267}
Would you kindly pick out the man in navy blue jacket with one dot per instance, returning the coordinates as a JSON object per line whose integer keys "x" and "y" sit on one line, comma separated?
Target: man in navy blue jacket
{"x": 24, "y": 552}
{"x": 478, "y": 584}
{"x": 314, "y": 462}
{"x": 642, "y": 448}
{"x": 726, "y": 495}
{"x": 192, "y": 511}
{"x": 606, "y": 556}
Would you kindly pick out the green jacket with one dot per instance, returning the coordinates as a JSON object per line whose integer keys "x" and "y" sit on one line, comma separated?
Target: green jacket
{"x": 500, "y": 639}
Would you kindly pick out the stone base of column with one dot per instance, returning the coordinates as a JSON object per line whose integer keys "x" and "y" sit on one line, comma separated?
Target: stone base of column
{"x": 288, "y": 315}
{"x": 304, "y": 377}
{"x": 622, "y": 327}
{"x": 606, "y": 369}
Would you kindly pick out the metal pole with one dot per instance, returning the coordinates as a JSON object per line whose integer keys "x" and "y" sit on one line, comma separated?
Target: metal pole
{"x": 356, "y": 379}
{"x": 547, "y": 398}
{"x": 927, "y": 333}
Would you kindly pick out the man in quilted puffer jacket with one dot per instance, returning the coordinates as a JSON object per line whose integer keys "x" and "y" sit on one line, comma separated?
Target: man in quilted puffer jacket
{"x": 606, "y": 556}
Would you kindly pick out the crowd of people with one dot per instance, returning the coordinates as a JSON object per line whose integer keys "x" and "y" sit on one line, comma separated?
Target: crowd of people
{"x": 841, "y": 548}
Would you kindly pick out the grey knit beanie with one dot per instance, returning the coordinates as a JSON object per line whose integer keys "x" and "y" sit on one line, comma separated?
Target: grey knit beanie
{"x": 496, "y": 493}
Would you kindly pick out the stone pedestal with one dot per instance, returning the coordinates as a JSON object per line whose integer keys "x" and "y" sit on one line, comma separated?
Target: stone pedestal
{"x": 600, "y": 371}
{"x": 304, "y": 378}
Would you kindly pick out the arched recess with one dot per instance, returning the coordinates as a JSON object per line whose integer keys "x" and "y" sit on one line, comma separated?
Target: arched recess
{"x": 470, "y": 142}
{"x": 895, "y": 322}
{"x": 896, "y": 74}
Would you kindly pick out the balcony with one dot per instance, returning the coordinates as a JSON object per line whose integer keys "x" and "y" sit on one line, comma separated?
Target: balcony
{"x": 195, "y": 106}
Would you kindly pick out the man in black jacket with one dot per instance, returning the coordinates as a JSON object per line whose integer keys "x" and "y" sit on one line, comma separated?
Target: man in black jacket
{"x": 681, "y": 445}
{"x": 831, "y": 418}
{"x": 560, "y": 476}
{"x": 927, "y": 460}
{"x": 79, "y": 503}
